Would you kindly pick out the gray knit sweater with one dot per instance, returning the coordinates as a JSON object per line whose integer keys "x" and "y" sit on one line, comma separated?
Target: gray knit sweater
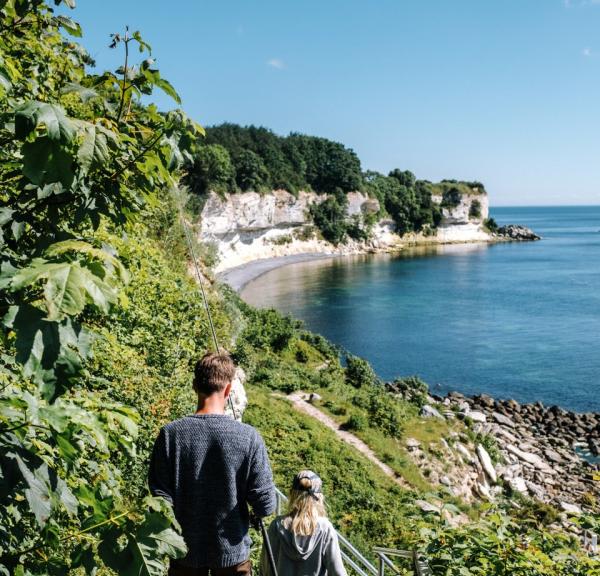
{"x": 210, "y": 468}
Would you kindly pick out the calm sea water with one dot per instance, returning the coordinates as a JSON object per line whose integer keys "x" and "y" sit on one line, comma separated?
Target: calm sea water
{"x": 513, "y": 320}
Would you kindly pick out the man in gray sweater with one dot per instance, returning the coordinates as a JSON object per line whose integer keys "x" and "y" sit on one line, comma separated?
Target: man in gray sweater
{"x": 210, "y": 468}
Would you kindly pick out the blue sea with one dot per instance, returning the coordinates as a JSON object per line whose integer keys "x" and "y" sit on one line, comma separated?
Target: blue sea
{"x": 513, "y": 320}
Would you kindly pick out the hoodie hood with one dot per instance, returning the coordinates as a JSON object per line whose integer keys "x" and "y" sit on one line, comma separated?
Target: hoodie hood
{"x": 298, "y": 547}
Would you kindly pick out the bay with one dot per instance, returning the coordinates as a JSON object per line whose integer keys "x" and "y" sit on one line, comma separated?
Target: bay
{"x": 513, "y": 320}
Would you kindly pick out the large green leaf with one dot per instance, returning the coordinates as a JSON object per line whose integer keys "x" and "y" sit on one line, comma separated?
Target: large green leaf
{"x": 50, "y": 352}
{"x": 45, "y": 491}
{"x": 37, "y": 493}
{"x": 68, "y": 287}
{"x": 32, "y": 115}
{"x": 95, "y": 147}
{"x": 37, "y": 343}
{"x": 46, "y": 161}
{"x": 69, "y": 25}
{"x": 147, "y": 546}
{"x": 114, "y": 265}
{"x": 168, "y": 89}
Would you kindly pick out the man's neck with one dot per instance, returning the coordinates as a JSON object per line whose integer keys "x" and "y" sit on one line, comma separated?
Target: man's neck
{"x": 214, "y": 404}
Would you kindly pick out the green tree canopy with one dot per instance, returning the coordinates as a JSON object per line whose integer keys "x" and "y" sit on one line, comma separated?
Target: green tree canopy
{"x": 211, "y": 168}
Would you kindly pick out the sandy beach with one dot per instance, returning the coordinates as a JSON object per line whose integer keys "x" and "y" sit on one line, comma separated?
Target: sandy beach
{"x": 239, "y": 276}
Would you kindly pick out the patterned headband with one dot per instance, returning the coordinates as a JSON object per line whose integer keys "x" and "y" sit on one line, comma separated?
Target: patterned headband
{"x": 315, "y": 481}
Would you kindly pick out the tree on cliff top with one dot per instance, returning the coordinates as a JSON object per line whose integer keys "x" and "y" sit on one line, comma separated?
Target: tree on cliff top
{"x": 292, "y": 163}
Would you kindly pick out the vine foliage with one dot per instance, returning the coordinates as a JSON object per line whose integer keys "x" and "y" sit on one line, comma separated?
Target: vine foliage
{"x": 78, "y": 151}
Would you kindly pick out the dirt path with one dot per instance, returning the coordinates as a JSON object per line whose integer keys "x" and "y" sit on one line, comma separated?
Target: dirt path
{"x": 303, "y": 406}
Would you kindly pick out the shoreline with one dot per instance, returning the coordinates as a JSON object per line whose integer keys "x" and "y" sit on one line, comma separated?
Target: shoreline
{"x": 238, "y": 277}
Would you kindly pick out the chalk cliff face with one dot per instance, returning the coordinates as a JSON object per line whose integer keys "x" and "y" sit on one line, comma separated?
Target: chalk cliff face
{"x": 464, "y": 223}
{"x": 249, "y": 226}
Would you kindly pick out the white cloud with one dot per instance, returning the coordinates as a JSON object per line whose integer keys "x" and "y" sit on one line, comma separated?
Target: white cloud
{"x": 586, "y": 52}
{"x": 276, "y": 63}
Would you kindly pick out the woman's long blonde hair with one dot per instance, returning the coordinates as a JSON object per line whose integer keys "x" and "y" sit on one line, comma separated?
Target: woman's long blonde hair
{"x": 306, "y": 504}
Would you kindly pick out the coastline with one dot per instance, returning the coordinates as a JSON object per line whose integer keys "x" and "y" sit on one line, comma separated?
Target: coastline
{"x": 238, "y": 277}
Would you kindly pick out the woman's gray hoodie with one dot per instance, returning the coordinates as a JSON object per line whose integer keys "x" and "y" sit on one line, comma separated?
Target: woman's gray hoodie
{"x": 314, "y": 555}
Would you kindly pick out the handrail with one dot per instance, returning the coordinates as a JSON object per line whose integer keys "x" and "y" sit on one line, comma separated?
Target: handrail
{"x": 420, "y": 566}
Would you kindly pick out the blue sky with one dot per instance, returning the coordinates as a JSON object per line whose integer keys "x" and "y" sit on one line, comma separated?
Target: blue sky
{"x": 505, "y": 91}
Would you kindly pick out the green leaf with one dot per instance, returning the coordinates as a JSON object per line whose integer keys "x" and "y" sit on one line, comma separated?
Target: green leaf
{"x": 95, "y": 147}
{"x": 6, "y": 215}
{"x": 5, "y": 83}
{"x": 142, "y": 44}
{"x": 7, "y": 271}
{"x": 146, "y": 547}
{"x": 68, "y": 451}
{"x": 168, "y": 89}
{"x": 68, "y": 288}
{"x": 32, "y": 115}
{"x": 45, "y": 161}
{"x": 37, "y": 343}
{"x": 55, "y": 415}
{"x": 36, "y": 493}
{"x": 84, "y": 248}
{"x": 69, "y": 25}
{"x": 50, "y": 352}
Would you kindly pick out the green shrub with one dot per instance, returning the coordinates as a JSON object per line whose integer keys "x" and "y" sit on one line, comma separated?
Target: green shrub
{"x": 357, "y": 229}
{"x": 491, "y": 225}
{"x": 475, "y": 209}
{"x": 281, "y": 240}
{"x": 412, "y": 389}
{"x": 451, "y": 198}
{"x": 386, "y": 413}
{"x": 329, "y": 217}
{"x": 359, "y": 372}
{"x": 499, "y": 546}
{"x": 356, "y": 422}
{"x": 302, "y": 355}
{"x": 268, "y": 330}
{"x": 305, "y": 233}
{"x": 211, "y": 169}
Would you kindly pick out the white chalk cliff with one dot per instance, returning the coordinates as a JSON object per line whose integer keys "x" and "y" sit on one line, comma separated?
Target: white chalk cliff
{"x": 250, "y": 226}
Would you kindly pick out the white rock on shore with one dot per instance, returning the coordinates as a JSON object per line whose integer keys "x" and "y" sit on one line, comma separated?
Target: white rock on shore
{"x": 486, "y": 463}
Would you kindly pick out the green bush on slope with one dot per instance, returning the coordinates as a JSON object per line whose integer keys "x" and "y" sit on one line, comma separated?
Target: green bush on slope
{"x": 80, "y": 154}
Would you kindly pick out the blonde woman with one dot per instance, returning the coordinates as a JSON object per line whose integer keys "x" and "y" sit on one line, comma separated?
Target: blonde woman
{"x": 304, "y": 542}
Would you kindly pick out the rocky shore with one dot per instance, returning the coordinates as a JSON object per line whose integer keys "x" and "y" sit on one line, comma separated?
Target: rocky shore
{"x": 516, "y": 232}
{"x": 547, "y": 453}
